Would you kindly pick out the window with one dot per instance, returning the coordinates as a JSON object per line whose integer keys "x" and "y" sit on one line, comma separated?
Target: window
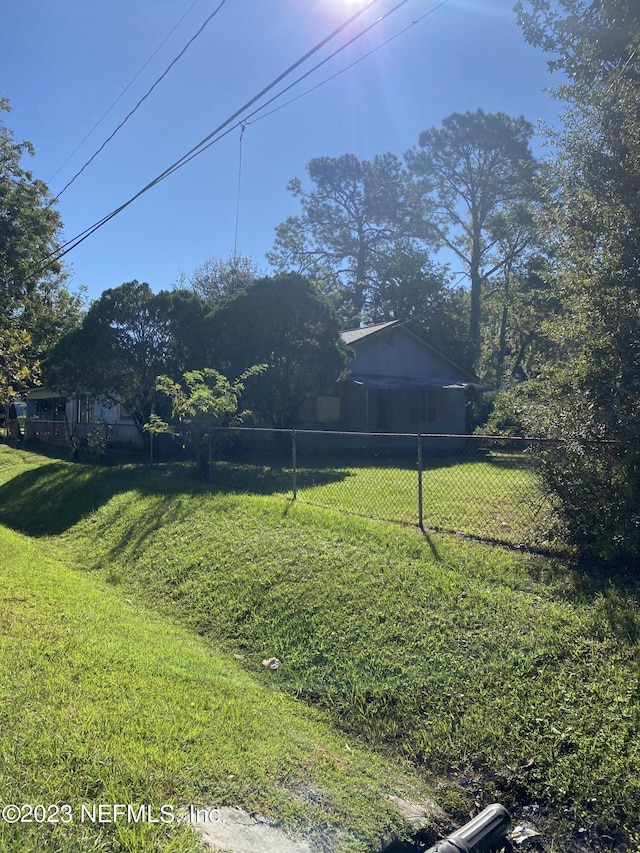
{"x": 50, "y": 409}
{"x": 83, "y": 410}
{"x": 123, "y": 414}
{"x": 426, "y": 405}
{"x": 322, "y": 409}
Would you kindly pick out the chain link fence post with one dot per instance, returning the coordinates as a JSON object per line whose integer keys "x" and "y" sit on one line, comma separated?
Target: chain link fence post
{"x": 294, "y": 472}
{"x": 420, "y": 518}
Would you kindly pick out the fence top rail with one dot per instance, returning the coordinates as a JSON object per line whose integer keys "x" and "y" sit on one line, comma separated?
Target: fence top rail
{"x": 289, "y": 430}
{"x": 522, "y": 439}
{"x": 516, "y": 439}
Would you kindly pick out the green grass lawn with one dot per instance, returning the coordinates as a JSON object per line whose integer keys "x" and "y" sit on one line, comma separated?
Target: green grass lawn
{"x": 103, "y": 701}
{"x": 500, "y": 676}
{"x": 493, "y": 495}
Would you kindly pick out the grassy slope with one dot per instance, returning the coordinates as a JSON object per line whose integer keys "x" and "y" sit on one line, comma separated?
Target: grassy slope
{"x": 505, "y": 673}
{"x": 101, "y": 701}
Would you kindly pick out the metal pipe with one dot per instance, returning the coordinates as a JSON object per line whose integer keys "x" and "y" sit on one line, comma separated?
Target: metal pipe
{"x": 478, "y": 835}
{"x": 294, "y": 463}
{"x": 420, "y": 469}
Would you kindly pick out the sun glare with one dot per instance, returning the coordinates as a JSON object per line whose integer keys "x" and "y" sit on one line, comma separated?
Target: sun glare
{"x": 348, "y": 7}
{"x": 343, "y": 8}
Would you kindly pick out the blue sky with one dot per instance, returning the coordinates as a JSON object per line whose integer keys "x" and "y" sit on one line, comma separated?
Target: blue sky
{"x": 64, "y": 62}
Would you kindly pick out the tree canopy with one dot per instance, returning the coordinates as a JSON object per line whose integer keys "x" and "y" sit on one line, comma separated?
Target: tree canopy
{"x": 283, "y": 323}
{"x": 474, "y": 175}
{"x": 588, "y": 388}
{"x": 366, "y": 230}
{"x": 35, "y": 303}
{"x": 353, "y": 221}
{"x": 202, "y": 405}
{"x": 215, "y": 280}
{"x": 591, "y": 42}
{"x": 128, "y": 338}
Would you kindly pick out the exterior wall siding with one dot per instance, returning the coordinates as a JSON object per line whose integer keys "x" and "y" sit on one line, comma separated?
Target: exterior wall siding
{"x": 397, "y": 353}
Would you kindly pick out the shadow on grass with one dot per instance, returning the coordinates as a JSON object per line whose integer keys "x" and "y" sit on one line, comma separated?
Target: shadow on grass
{"x": 611, "y": 591}
{"x": 513, "y": 460}
{"x": 550, "y": 552}
{"x": 47, "y": 500}
{"x": 432, "y": 459}
{"x": 506, "y": 459}
{"x": 429, "y": 540}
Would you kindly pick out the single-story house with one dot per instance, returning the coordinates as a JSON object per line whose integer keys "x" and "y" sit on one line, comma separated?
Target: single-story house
{"x": 53, "y": 419}
{"x": 397, "y": 382}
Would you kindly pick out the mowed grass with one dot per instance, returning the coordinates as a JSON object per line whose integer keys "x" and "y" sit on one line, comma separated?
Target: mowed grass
{"x": 498, "y": 496}
{"x": 494, "y": 495}
{"x": 102, "y": 702}
{"x": 501, "y": 676}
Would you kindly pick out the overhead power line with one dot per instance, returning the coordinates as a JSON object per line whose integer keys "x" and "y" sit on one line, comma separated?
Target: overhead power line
{"x": 317, "y": 86}
{"x": 245, "y": 120}
{"x": 227, "y": 126}
{"x": 143, "y": 98}
{"x": 328, "y": 58}
{"x": 124, "y": 91}
{"x": 243, "y": 127}
{"x": 71, "y": 244}
{"x": 354, "y": 63}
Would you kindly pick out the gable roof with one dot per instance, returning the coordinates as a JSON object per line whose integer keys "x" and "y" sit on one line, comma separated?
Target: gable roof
{"x": 351, "y": 336}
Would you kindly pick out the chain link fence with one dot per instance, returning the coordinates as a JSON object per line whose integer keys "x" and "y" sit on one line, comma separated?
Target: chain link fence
{"x": 477, "y": 486}
{"x": 483, "y": 487}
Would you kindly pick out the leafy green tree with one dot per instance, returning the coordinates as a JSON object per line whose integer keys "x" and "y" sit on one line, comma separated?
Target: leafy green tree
{"x": 517, "y": 303}
{"x": 128, "y": 338}
{"x": 591, "y": 43}
{"x": 215, "y": 280}
{"x": 351, "y": 221}
{"x": 202, "y": 404}
{"x": 14, "y": 368}
{"x": 412, "y": 287}
{"x": 283, "y": 323}
{"x": 36, "y": 306}
{"x": 473, "y": 175}
{"x": 588, "y": 388}
{"x": 408, "y": 284}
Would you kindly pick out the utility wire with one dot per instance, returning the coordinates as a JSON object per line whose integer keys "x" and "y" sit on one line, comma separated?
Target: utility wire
{"x": 242, "y": 124}
{"x": 124, "y": 91}
{"x": 66, "y": 247}
{"x": 621, "y": 72}
{"x": 351, "y": 65}
{"x": 328, "y": 58}
{"x": 142, "y": 100}
{"x": 199, "y": 149}
{"x": 217, "y": 134}
{"x": 243, "y": 127}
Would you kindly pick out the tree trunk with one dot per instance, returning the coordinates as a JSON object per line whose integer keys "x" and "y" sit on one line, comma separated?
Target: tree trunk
{"x": 502, "y": 340}
{"x": 476, "y": 289}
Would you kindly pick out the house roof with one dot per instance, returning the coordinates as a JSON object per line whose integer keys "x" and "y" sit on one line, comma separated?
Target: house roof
{"x": 352, "y": 336}
{"x": 43, "y": 394}
{"x": 404, "y": 383}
